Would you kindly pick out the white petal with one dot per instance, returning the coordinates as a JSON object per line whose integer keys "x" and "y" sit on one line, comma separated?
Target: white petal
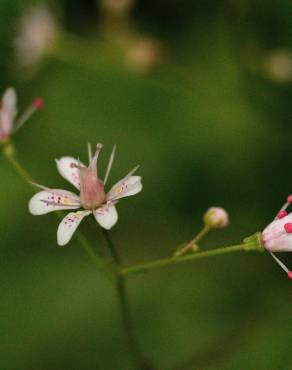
{"x": 69, "y": 225}
{"x": 8, "y": 110}
{"x": 282, "y": 243}
{"x": 53, "y": 200}
{"x": 276, "y": 228}
{"x": 275, "y": 237}
{"x": 106, "y": 216}
{"x": 71, "y": 174}
{"x": 125, "y": 188}
{"x": 9, "y": 100}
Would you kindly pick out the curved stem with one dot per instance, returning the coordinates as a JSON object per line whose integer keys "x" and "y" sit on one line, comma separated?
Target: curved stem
{"x": 193, "y": 242}
{"x": 9, "y": 152}
{"x": 140, "y": 362}
{"x": 190, "y": 257}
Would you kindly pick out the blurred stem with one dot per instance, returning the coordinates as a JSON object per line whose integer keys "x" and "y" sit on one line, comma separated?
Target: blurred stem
{"x": 9, "y": 152}
{"x": 90, "y": 54}
{"x": 193, "y": 242}
{"x": 190, "y": 257}
{"x": 133, "y": 348}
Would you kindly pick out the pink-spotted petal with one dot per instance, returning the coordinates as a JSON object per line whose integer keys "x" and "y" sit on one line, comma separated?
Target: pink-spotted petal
{"x": 67, "y": 169}
{"x": 52, "y": 200}
{"x": 8, "y": 111}
{"x": 125, "y": 188}
{"x": 106, "y": 216}
{"x": 69, "y": 225}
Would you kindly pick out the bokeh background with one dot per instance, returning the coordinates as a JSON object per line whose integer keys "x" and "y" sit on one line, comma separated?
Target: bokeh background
{"x": 199, "y": 94}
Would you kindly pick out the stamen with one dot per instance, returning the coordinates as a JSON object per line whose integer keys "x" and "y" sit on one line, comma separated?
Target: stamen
{"x": 52, "y": 203}
{"x": 285, "y": 206}
{"x": 288, "y": 227}
{"x": 89, "y": 148}
{"x": 37, "y": 104}
{"x": 282, "y": 214}
{"x": 289, "y": 199}
{"x": 289, "y": 274}
{"x": 96, "y": 154}
{"x": 131, "y": 172}
{"x": 280, "y": 263}
{"x": 110, "y": 163}
{"x": 75, "y": 165}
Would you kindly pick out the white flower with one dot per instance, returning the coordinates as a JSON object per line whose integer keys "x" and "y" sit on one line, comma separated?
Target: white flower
{"x": 36, "y": 34}
{"x": 277, "y": 236}
{"x": 8, "y": 112}
{"x": 92, "y": 199}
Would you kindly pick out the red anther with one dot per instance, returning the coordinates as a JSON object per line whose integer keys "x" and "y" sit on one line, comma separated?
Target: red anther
{"x": 39, "y": 104}
{"x": 288, "y": 227}
{"x": 289, "y": 274}
{"x": 282, "y": 214}
{"x": 289, "y": 198}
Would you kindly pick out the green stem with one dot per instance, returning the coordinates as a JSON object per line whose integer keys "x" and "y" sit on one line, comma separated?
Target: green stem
{"x": 190, "y": 257}
{"x": 193, "y": 242}
{"x": 9, "y": 152}
{"x": 138, "y": 358}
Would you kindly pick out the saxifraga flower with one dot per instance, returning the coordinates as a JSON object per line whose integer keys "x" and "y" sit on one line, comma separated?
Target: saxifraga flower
{"x": 93, "y": 199}
{"x": 277, "y": 236}
{"x": 9, "y": 123}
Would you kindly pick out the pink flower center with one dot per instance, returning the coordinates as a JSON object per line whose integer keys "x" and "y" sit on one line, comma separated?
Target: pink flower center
{"x": 92, "y": 194}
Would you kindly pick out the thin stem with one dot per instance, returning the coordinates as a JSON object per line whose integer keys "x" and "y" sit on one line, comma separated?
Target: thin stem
{"x": 200, "y": 235}
{"x": 132, "y": 345}
{"x": 190, "y": 257}
{"x": 193, "y": 242}
{"x": 9, "y": 153}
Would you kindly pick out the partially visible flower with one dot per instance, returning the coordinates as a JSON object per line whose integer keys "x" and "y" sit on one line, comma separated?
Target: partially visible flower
{"x": 37, "y": 34}
{"x": 143, "y": 54}
{"x": 93, "y": 199}
{"x": 8, "y": 111}
{"x": 117, "y": 7}
{"x": 216, "y": 218}
{"x": 277, "y": 236}
{"x": 279, "y": 65}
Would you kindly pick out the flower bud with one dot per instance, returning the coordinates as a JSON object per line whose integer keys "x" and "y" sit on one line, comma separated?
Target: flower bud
{"x": 277, "y": 236}
{"x": 216, "y": 218}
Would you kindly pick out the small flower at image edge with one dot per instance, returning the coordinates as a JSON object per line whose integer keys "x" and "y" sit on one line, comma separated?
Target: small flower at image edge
{"x": 37, "y": 35}
{"x": 216, "y": 218}
{"x": 277, "y": 236}
{"x": 8, "y": 112}
{"x": 92, "y": 199}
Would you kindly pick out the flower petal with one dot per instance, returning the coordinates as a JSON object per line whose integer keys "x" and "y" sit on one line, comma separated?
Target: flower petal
{"x": 106, "y": 216}
{"x": 125, "y": 188}
{"x": 282, "y": 243}
{"x": 52, "y": 200}
{"x": 69, "y": 225}
{"x": 276, "y": 228}
{"x": 69, "y": 172}
{"x": 8, "y": 111}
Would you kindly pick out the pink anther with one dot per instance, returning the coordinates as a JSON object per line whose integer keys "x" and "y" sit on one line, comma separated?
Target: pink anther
{"x": 288, "y": 227}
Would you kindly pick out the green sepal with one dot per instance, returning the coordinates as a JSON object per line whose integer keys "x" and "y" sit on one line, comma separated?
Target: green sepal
{"x": 254, "y": 242}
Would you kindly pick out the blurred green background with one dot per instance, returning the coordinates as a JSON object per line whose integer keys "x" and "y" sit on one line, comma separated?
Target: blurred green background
{"x": 199, "y": 94}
